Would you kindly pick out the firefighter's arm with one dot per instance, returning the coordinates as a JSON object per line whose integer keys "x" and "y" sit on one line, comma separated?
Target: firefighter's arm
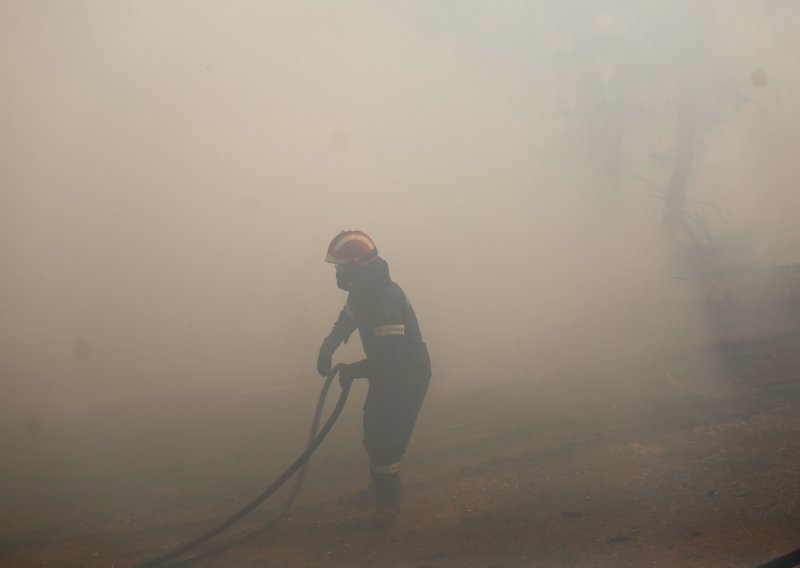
{"x": 342, "y": 329}
{"x": 384, "y": 360}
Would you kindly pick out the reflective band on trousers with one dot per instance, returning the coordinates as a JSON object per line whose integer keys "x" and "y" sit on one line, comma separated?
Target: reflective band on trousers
{"x": 389, "y": 330}
{"x": 385, "y": 469}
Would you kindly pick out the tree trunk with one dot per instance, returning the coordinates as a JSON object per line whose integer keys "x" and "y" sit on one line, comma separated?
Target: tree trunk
{"x": 675, "y": 200}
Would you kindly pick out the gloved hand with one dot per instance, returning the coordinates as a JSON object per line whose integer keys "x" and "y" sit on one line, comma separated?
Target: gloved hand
{"x": 324, "y": 359}
{"x": 347, "y": 374}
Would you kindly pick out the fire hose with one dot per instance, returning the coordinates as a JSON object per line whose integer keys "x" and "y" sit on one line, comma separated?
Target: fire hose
{"x": 786, "y": 561}
{"x": 300, "y": 464}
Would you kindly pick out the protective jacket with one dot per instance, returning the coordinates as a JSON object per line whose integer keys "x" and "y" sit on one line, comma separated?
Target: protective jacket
{"x": 388, "y": 327}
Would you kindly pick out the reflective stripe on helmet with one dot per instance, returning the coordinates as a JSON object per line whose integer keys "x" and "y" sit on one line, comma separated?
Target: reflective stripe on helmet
{"x": 350, "y": 238}
{"x": 385, "y": 469}
{"x": 351, "y": 247}
{"x": 385, "y": 330}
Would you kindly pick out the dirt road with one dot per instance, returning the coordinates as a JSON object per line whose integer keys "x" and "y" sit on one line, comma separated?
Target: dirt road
{"x": 494, "y": 478}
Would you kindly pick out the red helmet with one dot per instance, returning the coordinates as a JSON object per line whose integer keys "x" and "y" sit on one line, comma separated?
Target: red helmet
{"x": 351, "y": 247}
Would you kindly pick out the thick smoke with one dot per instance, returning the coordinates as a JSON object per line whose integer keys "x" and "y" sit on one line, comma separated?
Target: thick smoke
{"x": 172, "y": 173}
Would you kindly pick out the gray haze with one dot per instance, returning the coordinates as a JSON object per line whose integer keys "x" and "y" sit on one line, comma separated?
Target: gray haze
{"x": 172, "y": 172}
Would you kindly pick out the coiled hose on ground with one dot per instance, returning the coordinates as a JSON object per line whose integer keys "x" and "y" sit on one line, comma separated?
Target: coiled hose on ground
{"x": 787, "y": 561}
{"x": 315, "y": 439}
{"x": 301, "y": 463}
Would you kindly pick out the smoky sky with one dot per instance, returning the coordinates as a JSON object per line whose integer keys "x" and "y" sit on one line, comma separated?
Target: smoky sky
{"x": 173, "y": 171}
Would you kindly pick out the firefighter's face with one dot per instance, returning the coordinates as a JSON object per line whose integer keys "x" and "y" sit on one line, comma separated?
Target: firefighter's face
{"x": 345, "y": 276}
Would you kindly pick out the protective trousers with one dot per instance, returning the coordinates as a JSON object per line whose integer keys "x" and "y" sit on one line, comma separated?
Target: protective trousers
{"x": 390, "y": 413}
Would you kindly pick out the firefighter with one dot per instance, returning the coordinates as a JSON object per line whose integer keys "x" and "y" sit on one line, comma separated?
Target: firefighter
{"x": 396, "y": 366}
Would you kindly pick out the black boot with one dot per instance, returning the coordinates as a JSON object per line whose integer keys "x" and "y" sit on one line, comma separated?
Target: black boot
{"x": 387, "y": 499}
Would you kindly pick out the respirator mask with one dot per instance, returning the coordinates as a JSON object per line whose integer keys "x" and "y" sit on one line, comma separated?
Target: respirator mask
{"x": 345, "y": 276}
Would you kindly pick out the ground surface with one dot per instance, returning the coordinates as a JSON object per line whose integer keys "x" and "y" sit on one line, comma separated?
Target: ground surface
{"x": 518, "y": 476}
